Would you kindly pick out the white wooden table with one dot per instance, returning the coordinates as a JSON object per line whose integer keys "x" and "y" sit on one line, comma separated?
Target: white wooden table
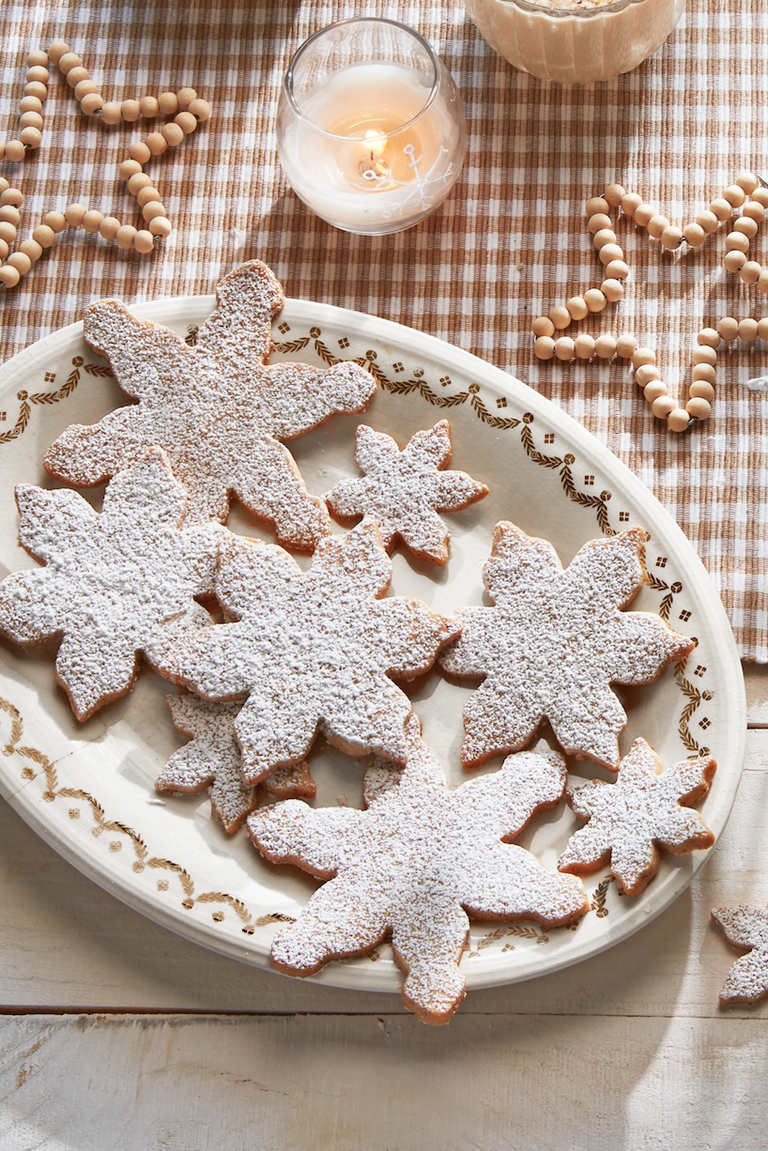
{"x": 126, "y": 1037}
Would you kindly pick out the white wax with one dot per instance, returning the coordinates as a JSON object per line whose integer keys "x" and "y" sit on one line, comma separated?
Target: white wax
{"x": 365, "y": 104}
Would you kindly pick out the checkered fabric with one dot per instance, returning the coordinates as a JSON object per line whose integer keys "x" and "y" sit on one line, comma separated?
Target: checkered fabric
{"x": 509, "y": 243}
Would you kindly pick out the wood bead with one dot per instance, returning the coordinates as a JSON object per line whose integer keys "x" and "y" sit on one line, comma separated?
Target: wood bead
{"x": 111, "y": 113}
{"x": 605, "y": 346}
{"x": 748, "y": 181}
{"x": 748, "y": 330}
{"x": 148, "y": 195}
{"x": 58, "y": 49}
{"x": 130, "y": 110}
{"x": 699, "y": 408}
{"x": 577, "y": 307}
{"x": 144, "y": 242}
{"x": 732, "y": 261}
{"x": 31, "y": 137}
{"x": 663, "y": 406}
{"x": 157, "y": 143}
{"x": 678, "y": 420}
{"x": 560, "y": 316}
{"x": 595, "y": 300}
{"x": 152, "y": 210}
{"x": 44, "y": 235}
{"x": 56, "y": 221}
{"x": 125, "y": 236}
{"x": 753, "y": 211}
{"x": 541, "y": 326}
{"x": 656, "y": 225}
{"x": 708, "y": 221}
{"x": 9, "y": 276}
{"x": 762, "y": 283}
{"x": 4, "y": 184}
{"x": 15, "y": 151}
{"x": 613, "y": 290}
{"x": 694, "y": 235}
{"x": 91, "y": 104}
{"x": 39, "y": 73}
{"x": 671, "y": 237}
{"x": 37, "y": 57}
{"x": 74, "y": 215}
{"x": 160, "y": 227}
{"x": 645, "y": 373}
{"x": 760, "y": 196}
{"x": 654, "y": 390}
{"x": 564, "y": 348}
{"x": 11, "y": 196}
{"x": 762, "y": 328}
{"x": 20, "y": 261}
{"x": 173, "y": 134}
{"x": 92, "y": 220}
{"x": 617, "y": 270}
{"x": 644, "y": 213}
{"x": 10, "y": 215}
{"x": 32, "y": 249}
{"x": 35, "y": 88}
{"x": 69, "y": 61}
{"x": 186, "y": 122}
{"x": 32, "y": 104}
{"x": 596, "y": 206}
{"x": 129, "y": 168}
{"x": 85, "y": 88}
{"x": 186, "y": 96}
{"x": 610, "y": 252}
{"x": 603, "y": 237}
{"x": 736, "y": 242}
{"x": 643, "y": 356}
{"x": 7, "y": 232}
{"x": 138, "y": 181}
{"x": 750, "y": 272}
{"x": 598, "y": 222}
{"x": 734, "y": 195}
{"x": 747, "y": 226}
{"x": 614, "y": 194}
{"x": 721, "y": 208}
{"x": 150, "y": 107}
{"x": 701, "y": 389}
{"x": 709, "y": 337}
{"x": 704, "y": 372}
{"x": 630, "y": 203}
{"x": 2, "y": 149}
{"x": 626, "y": 346}
{"x": 706, "y": 355}
{"x": 584, "y": 346}
{"x": 31, "y": 120}
{"x": 109, "y": 227}
{"x": 74, "y": 76}
{"x": 201, "y": 109}
{"x": 168, "y": 103}
{"x": 544, "y": 348}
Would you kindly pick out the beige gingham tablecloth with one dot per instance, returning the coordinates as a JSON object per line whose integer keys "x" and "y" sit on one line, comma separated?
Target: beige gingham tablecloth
{"x": 509, "y": 243}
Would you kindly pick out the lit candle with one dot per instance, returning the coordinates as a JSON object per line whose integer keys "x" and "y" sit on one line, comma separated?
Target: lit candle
{"x": 371, "y": 128}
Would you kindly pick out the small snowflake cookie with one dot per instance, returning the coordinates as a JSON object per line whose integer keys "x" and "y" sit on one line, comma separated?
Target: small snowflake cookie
{"x": 554, "y": 642}
{"x": 645, "y": 810}
{"x": 211, "y": 760}
{"x": 404, "y": 490}
{"x": 115, "y": 585}
{"x": 745, "y": 927}
{"x": 414, "y": 866}
{"x": 312, "y": 651}
{"x": 218, "y": 409}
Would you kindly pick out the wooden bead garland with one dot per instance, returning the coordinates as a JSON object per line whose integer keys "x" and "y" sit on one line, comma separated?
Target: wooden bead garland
{"x": 748, "y": 195}
{"x": 189, "y": 111}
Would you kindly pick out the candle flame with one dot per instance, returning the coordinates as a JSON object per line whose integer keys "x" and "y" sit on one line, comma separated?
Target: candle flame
{"x": 373, "y": 166}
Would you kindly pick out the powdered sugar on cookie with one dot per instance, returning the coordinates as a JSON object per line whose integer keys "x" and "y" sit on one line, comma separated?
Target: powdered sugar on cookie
{"x": 404, "y": 490}
{"x": 218, "y": 409}
{"x": 414, "y": 865}
{"x": 745, "y": 927}
{"x": 554, "y": 642}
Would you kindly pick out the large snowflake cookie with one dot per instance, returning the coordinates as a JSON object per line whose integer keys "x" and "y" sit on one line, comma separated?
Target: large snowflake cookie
{"x": 312, "y": 650}
{"x": 415, "y": 866}
{"x": 218, "y": 409}
{"x": 404, "y": 490}
{"x": 114, "y": 584}
{"x": 554, "y": 642}
{"x": 211, "y": 760}
{"x": 645, "y": 810}
{"x": 745, "y": 927}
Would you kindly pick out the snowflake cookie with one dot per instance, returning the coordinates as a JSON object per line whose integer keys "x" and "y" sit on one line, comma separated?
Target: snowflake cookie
{"x": 114, "y": 584}
{"x": 212, "y": 760}
{"x": 414, "y": 866}
{"x": 745, "y": 927}
{"x": 312, "y": 651}
{"x": 218, "y": 409}
{"x": 554, "y": 642}
{"x": 646, "y": 809}
{"x": 404, "y": 490}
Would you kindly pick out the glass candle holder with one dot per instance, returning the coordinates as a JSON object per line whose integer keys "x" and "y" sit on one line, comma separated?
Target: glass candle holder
{"x": 371, "y": 131}
{"x": 575, "y": 41}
